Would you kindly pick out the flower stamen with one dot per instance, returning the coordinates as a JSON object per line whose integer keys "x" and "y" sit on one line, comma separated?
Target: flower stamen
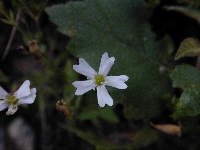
{"x": 99, "y": 79}
{"x": 11, "y": 99}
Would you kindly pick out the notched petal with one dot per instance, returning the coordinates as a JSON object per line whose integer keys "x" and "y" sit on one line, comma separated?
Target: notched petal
{"x": 28, "y": 99}
{"x": 3, "y": 105}
{"x": 104, "y": 57}
{"x": 83, "y": 86}
{"x": 24, "y": 90}
{"x": 124, "y": 78}
{"x": 84, "y": 68}
{"x": 117, "y": 81}
{"x": 3, "y": 93}
{"x": 103, "y": 96}
{"x": 106, "y": 66}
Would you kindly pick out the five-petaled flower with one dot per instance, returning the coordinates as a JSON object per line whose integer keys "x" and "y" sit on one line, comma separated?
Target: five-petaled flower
{"x": 24, "y": 95}
{"x": 99, "y": 80}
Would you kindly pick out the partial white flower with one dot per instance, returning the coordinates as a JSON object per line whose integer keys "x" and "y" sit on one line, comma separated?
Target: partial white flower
{"x": 24, "y": 95}
{"x": 99, "y": 80}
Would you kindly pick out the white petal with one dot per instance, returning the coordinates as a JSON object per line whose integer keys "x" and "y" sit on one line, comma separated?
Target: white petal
{"x": 117, "y": 81}
{"x": 3, "y": 104}
{"x": 3, "y": 93}
{"x": 24, "y": 90}
{"x": 28, "y": 99}
{"x": 106, "y": 64}
{"x": 84, "y": 68}
{"x": 104, "y": 57}
{"x": 103, "y": 96}
{"x": 83, "y": 86}
{"x": 12, "y": 109}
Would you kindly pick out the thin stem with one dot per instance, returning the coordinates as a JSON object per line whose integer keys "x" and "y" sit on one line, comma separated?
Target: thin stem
{"x": 11, "y": 36}
{"x": 198, "y": 63}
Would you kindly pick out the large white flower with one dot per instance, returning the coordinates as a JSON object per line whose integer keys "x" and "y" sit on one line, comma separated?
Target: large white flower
{"x": 99, "y": 80}
{"x": 24, "y": 95}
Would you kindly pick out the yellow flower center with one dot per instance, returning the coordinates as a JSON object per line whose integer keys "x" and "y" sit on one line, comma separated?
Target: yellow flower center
{"x": 99, "y": 79}
{"x": 12, "y": 99}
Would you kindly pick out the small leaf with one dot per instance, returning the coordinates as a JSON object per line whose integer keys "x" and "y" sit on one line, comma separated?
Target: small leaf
{"x": 9, "y": 18}
{"x": 11, "y": 15}
{"x": 189, "y": 47}
{"x": 195, "y": 14}
{"x": 6, "y": 21}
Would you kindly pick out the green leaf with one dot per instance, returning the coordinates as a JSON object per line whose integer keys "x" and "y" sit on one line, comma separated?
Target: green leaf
{"x": 189, "y": 104}
{"x": 193, "y": 13}
{"x": 121, "y": 29}
{"x": 9, "y": 17}
{"x": 189, "y": 47}
{"x": 104, "y": 113}
{"x": 187, "y": 78}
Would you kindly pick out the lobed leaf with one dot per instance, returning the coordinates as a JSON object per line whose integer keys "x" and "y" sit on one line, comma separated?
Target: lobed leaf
{"x": 187, "y": 78}
{"x": 189, "y": 104}
{"x": 189, "y": 47}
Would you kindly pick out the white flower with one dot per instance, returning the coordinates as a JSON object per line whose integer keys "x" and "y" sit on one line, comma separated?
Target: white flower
{"x": 24, "y": 95}
{"x": 99, "y": 80}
